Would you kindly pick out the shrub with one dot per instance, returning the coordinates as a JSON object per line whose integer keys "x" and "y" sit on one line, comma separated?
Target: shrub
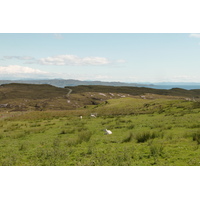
{"x": 17, "y": 135}
{"x": 62, "y": 132}
{"x": 169, "y": 136}
{"x": 196, "y": 137}
{"x": 72, "y": 142}
{"x": 23, "y": 146}
{"x": 156, "y": 149}
{"x": 196, "y": 105}
{"x": 167, "y": 127}
{"x": 1, "y": 136}
{"x": 56, "y": 142}
{"x": 69, "y": 131}
{"x": 84, "y": 136}
{"x": 194, "y": 125}
{"x": 131, "y": 126}
{"x": 143, "y": 137}
{"x": 128, "y": 139}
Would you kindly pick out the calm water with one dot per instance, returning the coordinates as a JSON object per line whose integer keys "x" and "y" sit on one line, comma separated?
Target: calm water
{"x": 167, "y": 87}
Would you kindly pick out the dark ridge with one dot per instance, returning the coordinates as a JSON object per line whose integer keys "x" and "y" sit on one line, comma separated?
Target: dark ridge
{"x": 39, "y": 91}
{"x": 30, "y": 91}
{"x": 136, "y": 90}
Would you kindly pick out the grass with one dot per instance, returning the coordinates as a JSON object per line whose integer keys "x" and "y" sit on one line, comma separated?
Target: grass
{"x": 145, "y": 132}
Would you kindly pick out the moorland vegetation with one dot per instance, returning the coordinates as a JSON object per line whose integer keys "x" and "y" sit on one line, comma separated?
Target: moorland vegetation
{"x": 40, "y": 125}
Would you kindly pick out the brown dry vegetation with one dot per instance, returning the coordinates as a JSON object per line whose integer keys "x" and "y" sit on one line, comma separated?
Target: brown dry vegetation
{"x": 25, "y": 97}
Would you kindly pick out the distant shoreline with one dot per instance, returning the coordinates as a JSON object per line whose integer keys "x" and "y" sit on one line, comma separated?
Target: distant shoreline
{"x": 168, "y": 87}
{"x": 71, "y": 82}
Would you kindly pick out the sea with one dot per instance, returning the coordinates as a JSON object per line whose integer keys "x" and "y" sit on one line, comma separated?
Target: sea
{"x": 167, "y": 87}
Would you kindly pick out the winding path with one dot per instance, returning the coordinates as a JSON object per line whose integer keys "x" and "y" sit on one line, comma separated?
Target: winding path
{"x": 70, "y": 90}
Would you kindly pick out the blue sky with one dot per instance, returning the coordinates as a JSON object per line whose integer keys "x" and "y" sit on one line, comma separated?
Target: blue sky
{"x": 127, "y": 57}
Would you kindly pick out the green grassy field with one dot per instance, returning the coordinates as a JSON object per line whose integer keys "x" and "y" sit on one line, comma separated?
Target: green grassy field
{"x": 161, "y": 132}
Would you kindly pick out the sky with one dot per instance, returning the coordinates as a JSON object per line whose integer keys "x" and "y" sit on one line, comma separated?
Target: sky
{"x": 125, "y": 57}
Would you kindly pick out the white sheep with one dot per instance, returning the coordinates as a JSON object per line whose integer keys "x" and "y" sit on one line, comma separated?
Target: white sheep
{"x": 93, "y": 115}
{"x": 107, "y": 132}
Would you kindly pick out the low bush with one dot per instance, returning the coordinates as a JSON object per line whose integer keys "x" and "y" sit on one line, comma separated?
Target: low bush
{"x": 156, "y": 149}
{"x": 73, "y": 142}
{"x": 84, "y": 136}
{"x": 128, "y": 139}
{"x": 196, "y": 137}
{"x": 144, "y": 136}
{"x": 62, "y": 132}
{"x": 131, "y": 126}
{"x": 81, "y": 137}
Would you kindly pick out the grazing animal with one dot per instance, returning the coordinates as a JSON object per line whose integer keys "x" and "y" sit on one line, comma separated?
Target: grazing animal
{"x": 81, "y": 117}
{"x": 93, "y": 115}
{"x": 107, "y": 132}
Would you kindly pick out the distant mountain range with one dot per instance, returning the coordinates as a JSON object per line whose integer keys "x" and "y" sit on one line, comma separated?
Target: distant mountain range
{"x": 71, "y": 82}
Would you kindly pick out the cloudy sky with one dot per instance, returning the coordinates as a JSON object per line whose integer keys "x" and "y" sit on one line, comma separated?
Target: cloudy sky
{"x": 127, "y": 57}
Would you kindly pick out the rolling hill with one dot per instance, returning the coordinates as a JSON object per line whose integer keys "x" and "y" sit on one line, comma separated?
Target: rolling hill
{"x": 23, "y": 97}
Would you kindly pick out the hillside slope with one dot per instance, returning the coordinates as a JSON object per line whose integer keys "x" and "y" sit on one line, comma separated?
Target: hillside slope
{"x": 136, "y": 90}
{"x": 23, "y": 97}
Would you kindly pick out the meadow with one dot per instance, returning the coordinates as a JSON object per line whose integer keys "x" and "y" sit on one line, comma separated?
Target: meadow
{"x": 157, "y": 132}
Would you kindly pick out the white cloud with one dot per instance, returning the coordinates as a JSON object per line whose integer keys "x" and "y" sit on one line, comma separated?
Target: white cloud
{"x": 16, "y": 69}
{"x": 195, "y": 35}
{"x": 66, "y": 60}
{"x": 19, "y": 57}
{"x": 73, "y": 60}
